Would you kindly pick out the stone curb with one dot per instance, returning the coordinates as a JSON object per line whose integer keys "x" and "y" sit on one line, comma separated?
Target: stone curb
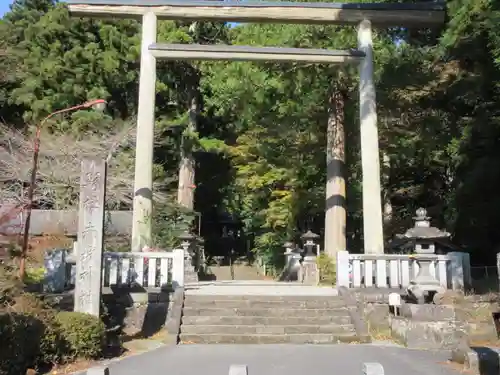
{"x": 357, "y": 320}
{"x": 238, "y": 370}
{"x": 173, "y": 323}
{"x": 373, "y": 368}
{"x": 98, "y": 371}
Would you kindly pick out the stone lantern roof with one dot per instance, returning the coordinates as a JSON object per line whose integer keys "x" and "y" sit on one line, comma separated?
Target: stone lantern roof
{"x": 422, "y": 229}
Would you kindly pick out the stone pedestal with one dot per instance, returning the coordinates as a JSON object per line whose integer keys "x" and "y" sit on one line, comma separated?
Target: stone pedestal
{"x": 309, "y": 273}
{"x": 424, "y": 284}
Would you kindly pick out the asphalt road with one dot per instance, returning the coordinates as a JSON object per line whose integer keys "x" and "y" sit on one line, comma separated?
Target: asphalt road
{"x": 282, "y": 360}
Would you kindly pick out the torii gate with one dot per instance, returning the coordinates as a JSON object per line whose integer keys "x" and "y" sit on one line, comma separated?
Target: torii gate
{"x": 424, "y": 14}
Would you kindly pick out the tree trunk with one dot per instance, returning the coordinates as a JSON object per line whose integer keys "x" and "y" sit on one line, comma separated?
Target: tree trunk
{"x": 335, "y": 207}
{"x": 185, "y": 191}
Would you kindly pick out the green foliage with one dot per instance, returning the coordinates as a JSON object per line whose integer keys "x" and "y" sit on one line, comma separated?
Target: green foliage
{"x": 169, "y": 221}
{"x": 34, "y": 275}
{"x": 84, "y": 334}
{"x": 51, "y": 344}
{"x": 31, "y": 340}
{"x": 29, "y": 329}
{"x": 33, "y": 334}
{"x": 20, "y": 339}
{"x": 327, "y": 269}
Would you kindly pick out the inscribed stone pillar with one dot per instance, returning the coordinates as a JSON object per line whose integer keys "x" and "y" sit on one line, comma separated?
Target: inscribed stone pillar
{"x": 370, "y": 157}
{"x": 90, "y": 236}
{"x": 143, "y": 180}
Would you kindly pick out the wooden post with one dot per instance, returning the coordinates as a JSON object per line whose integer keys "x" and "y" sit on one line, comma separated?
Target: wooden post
{"x": 370, "y": 158}
{"x": 90, "y": 236}
{"x": 143, "y": 181}
{"x": 335, "y": 205}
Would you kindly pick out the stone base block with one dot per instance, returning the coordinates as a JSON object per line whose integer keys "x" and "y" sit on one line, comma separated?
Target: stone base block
{"x": 428, "y": 334}
{"x": 309, "y": 271}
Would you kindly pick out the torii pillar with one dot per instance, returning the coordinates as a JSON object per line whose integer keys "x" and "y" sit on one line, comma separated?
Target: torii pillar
{"x": 143, "y": 180}
{"x": 370, "y": 156}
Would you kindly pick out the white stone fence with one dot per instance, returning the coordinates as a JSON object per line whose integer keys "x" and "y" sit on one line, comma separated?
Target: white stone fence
{"x": 146, "y": 269}
{"x": 396, "y": 271}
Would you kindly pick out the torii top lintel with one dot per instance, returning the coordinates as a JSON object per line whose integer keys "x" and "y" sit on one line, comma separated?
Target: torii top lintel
{"x": 421, "y": 14}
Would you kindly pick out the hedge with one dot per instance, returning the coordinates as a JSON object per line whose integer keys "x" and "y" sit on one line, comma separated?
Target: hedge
{"x": 29, "y": 339}
{"x": 84, "y": 333}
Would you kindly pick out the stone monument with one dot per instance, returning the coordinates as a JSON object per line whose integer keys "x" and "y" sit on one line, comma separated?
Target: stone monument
{"x": 423, "y": 237}
{"x": 90, "y": 236}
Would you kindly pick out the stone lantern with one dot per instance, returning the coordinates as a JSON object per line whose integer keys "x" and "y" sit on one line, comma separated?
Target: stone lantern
{"x": 289, "y": 247}
{"x": 199, "y": 255}
{"x": 423, "y": 237}
{"x": 309, "y": 271}
{"x": 309, "y": 241}
{"x": 187, "y": 241}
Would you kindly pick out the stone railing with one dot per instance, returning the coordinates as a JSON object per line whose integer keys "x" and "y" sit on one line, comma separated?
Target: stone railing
{"x": 145, "y": 269}
{"x": 396, "y": 271}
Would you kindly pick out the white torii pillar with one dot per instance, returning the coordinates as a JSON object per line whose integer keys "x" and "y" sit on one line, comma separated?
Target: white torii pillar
{"x": 143, "y": 180}
{"x": 370, "y": 157}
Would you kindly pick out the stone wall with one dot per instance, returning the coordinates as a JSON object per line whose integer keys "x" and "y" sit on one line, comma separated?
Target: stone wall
{"x": 444, "y": 326}
{"x": 64, "y": 222}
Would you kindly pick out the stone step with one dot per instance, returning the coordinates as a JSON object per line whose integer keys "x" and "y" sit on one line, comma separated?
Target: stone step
{"x": 266, "y": 320}
{"x": 267, "y": 312}
{"x": 265, "y": 303}
{"x": 257, "y": 297}
{"x": 320, "y": 338}
{"x": 266, "y": 330}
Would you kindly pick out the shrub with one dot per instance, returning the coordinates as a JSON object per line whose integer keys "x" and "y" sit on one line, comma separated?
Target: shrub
{"x": 34, "y": 275}
{"x": 32, "y": 334}
{"x": 20, "y": 342}
{"x": 84, "y": 334}
{"x": 51, "y": 345}
{"x": 327, "y": 269}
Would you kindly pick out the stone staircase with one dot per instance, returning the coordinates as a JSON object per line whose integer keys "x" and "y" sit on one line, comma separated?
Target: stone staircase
{"x": 266, "y": 319}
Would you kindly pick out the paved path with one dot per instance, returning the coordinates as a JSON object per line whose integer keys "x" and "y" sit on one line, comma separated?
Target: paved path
{"x": 241, "y": 272}
{"x": 282, "y": 360}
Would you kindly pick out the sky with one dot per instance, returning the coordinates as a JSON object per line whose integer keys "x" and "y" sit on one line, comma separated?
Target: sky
{"x": 4, "y": 6}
